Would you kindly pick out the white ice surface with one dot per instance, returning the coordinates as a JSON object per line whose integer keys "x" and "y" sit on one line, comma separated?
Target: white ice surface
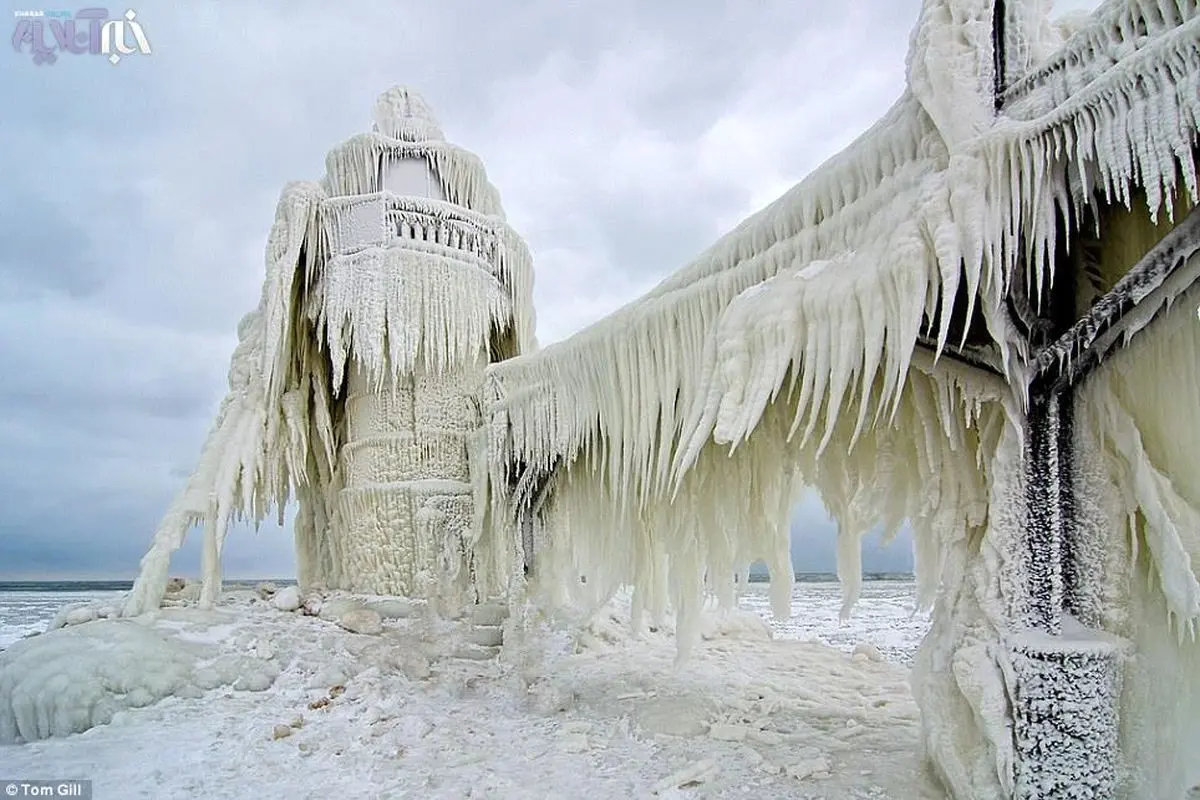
{"x": 566, "y": 715}
{"x": 26, "y": 613}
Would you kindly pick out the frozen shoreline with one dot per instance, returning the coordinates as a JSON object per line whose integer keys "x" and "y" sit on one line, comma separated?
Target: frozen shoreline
{"x": 884, "y": 616}
{"x": 596, "y": 713}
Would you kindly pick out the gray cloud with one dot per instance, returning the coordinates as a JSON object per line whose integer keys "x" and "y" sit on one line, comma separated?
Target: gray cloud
{"x": 814, "y": 542}
{"x": 28, "y": 259}
{"x": 624, "y": 136}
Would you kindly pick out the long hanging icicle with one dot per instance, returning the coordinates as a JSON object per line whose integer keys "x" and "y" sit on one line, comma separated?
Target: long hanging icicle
{"x": 243, "y": 468}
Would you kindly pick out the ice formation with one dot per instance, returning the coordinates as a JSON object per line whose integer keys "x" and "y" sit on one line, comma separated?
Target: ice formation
{"x": 396, "y": 714}
{"x": 639, "y": 393}
{"x": 75, "y": 678}
{"x": 883, "y": 332}
{"x": 873, "y": 334}
{"x": 354, "y": 387}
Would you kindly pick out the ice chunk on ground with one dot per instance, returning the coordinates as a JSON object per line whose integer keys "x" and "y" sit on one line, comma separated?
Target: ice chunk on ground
{"x": 333, "y": 607}
{"x": 361, "y": 620}
{"x": 692, "y": 775}
{"x": 74, "y": 678}
{"x": 74, "y": 615}
{"x": 393, "y": 608}
{"x": 868, "y": 651}
{"x": 287, "y": 599}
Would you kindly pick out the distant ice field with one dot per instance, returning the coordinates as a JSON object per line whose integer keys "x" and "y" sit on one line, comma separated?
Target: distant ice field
{"x": 26, "y": 612}
{"x": 884, "y": 617}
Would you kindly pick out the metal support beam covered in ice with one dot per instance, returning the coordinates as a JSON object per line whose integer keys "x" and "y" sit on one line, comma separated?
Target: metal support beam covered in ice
{"x": 1149, "y": 287}
{"x": 1067, "y": 673}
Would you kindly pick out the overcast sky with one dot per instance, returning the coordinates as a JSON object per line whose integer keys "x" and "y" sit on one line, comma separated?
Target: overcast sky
{"x": 624, "y": 137}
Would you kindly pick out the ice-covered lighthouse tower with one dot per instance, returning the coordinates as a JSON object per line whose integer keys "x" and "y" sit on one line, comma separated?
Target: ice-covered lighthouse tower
{"x": 355, "y": 385}
{"x": 415, "y": 282}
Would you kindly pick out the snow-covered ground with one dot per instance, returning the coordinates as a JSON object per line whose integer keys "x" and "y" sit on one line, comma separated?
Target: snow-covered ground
{"x": 564, "y": 713}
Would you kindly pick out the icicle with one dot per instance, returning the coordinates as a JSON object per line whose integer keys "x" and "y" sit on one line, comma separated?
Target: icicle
{"x": 1151, "y": 456}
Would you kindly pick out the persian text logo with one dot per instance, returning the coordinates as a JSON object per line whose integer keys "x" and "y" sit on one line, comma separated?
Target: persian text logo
{"x": 89, "y": 31}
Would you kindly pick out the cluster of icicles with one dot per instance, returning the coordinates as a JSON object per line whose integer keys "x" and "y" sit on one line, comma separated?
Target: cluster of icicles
{"x": 666, "y": 442}
{"x": 668, "y": 438}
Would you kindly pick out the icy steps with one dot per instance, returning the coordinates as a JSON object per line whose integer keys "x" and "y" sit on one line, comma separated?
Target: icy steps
{"x": 485, "y": 636}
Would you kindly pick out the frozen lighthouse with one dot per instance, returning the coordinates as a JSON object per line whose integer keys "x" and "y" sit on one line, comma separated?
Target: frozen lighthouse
{"x": 355, "y": 386}
{"x": 978, "y": 319}
{"x": 417, "y": 301}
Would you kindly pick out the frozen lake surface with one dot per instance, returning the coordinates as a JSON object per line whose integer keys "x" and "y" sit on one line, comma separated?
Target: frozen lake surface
{"x": 883, "y": 617}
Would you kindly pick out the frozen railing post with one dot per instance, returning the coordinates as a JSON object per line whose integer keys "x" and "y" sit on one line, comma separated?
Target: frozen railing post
{"x": 1068, "y": 672}
{"x": 1068, "y": 676}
